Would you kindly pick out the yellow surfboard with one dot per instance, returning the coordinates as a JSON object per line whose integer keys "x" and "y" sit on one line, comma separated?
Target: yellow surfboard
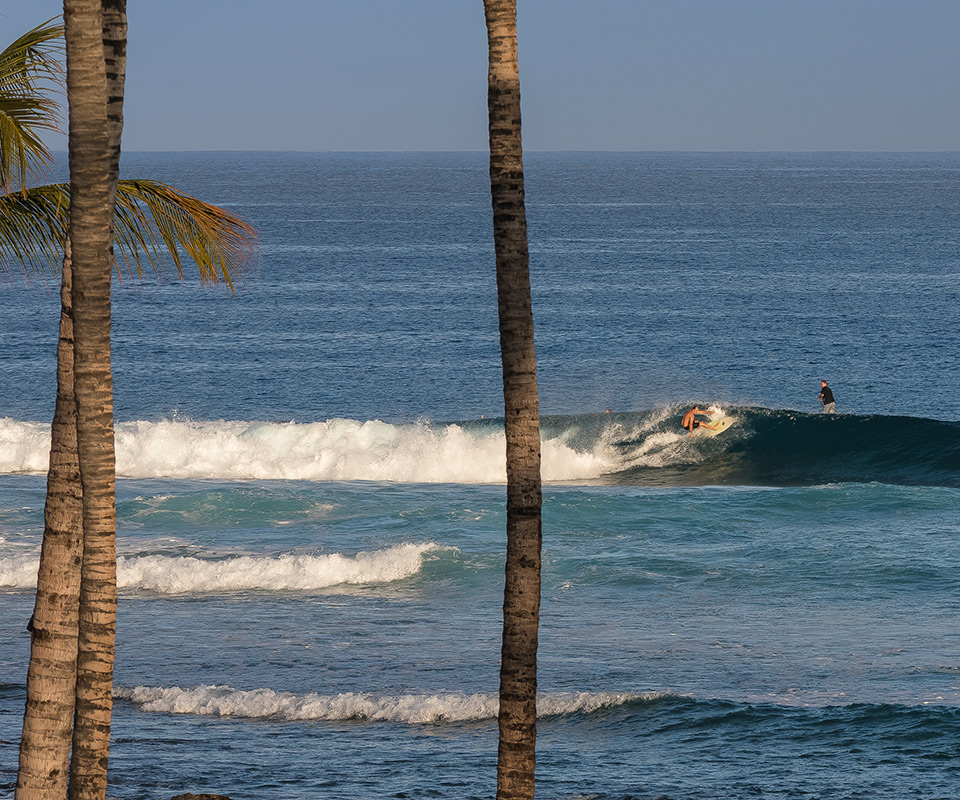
{"x": 716, "y": 426}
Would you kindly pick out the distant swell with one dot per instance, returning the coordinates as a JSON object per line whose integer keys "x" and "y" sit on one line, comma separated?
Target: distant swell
{"x": 224, "y": 701}
{"x": 763, "y": 447}
{"x": 188, "y": 575}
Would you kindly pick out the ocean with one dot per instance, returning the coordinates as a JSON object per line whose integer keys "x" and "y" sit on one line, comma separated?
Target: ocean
{"x": 311, "y": 502}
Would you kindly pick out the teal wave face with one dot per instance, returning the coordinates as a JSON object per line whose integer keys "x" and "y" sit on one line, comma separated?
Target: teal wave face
{"x": 787, "y": 448}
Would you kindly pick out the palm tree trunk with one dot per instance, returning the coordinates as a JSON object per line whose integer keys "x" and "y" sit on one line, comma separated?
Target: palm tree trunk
{"x": 52, "y": 673}
{"x": 521, "y": 602}
{"x": 115, "y": 59}
{"x": 91, "y": 211}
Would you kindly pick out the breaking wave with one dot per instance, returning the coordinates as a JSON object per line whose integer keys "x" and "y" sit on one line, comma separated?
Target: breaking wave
{"x": 190, "y": 575}
{"x": 414, "y": 709}
{"x": 763, "y": 447}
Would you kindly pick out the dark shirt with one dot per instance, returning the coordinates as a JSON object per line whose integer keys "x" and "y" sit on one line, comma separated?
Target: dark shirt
{"x": 827, "y": 395}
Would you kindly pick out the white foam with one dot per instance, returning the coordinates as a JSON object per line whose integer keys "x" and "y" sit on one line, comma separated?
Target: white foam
{"x": 352, "y": 450}
{"x": 654, "y": 447}
{"x": 190, "y": 575}
{"x": 338, "y": 449}
{"x": 24, "y": 446}
{"x": 224, "y": 701}
{"x": 19, "y": 571}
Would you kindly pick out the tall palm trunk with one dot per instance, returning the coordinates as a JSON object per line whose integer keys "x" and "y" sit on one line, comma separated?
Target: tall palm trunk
{"x": 98, "y": 587}
{"x": 52, "y": 705}
{"x": 92, "y": 193}
{"x": 52, "y": 673}
{"x": 115, "y": 59}
{"x": 521, "y": 600}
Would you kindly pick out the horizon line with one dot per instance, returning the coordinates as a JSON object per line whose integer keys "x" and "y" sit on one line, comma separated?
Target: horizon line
{"x": 531, "y": 150}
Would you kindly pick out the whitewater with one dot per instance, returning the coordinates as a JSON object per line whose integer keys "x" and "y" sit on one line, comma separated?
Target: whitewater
{"x": 340, "y": 449}
{"x": 187, "y": 574}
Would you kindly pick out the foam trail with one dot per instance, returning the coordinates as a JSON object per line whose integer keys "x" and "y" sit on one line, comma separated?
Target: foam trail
{"x": 189, "y": 575}
{"x": 224, "y": 701}
{"x": 338, "y": 449}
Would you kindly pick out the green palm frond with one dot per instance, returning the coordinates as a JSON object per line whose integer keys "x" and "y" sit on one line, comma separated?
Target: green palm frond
{"x": 30, "y": 70}
{"x": 152, "y": 218}
{"x": 35, "y": 56}
{"x": 33, "y": 228}
{"x": 150, "y": 213}
{"x": 23, "y": 153}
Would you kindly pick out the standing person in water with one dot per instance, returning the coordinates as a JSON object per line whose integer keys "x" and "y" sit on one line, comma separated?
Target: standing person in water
{"x": 826, "y": 397}
{"x": 691, "y": 423}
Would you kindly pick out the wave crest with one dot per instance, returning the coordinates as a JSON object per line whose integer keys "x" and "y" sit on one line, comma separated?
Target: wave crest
{"x": 189, "y": 575}
{"x": 414, "y": 709}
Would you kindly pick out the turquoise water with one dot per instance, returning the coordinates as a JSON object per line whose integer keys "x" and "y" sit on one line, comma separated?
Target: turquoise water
{"x": 311, "y": 508}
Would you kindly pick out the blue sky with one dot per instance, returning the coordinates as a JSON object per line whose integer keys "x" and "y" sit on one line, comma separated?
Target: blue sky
{"x": 597, "y": 75}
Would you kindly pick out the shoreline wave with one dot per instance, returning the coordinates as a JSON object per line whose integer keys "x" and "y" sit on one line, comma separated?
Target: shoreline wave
{"x": 188, "y": 575}
{"x": 414, "y": 709}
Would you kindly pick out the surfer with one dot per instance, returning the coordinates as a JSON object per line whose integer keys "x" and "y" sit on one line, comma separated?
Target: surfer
{"x": 826, "y": 397}
{"x": 691, "y": 423}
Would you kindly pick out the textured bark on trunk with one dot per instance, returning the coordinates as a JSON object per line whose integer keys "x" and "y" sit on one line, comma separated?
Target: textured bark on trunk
{"x": 516, "y": 757}
{"x": 52, "y": 673}
{"x": 52, "y": 704}
{"x": 92, "y": 193}
{"x": 115, "y": 59}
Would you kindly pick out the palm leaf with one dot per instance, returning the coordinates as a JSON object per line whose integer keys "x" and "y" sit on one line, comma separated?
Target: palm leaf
{"x": 30, "y": 70}
{"x": 152, "y": 219}
{"x": 33, "y": 228}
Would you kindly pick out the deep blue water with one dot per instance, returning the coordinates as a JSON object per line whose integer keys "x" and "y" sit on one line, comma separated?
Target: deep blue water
{"x": 310, "y": 508}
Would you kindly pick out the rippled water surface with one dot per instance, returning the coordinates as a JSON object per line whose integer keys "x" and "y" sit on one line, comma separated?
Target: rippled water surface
{"x": 311, "y": 509}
